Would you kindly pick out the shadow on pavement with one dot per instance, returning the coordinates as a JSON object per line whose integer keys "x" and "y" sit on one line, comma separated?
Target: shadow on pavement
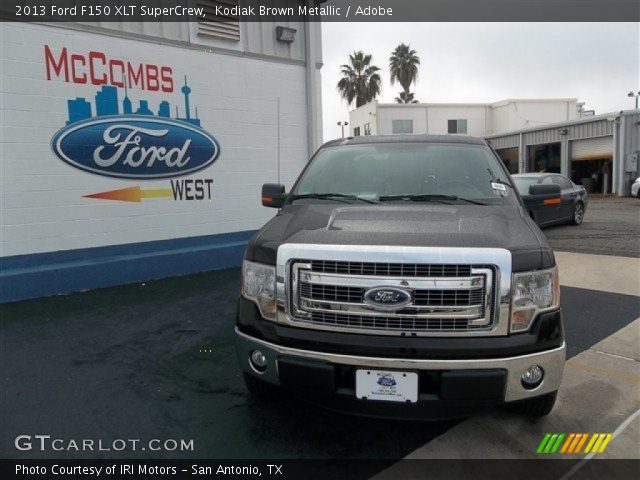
{"x": 130, "y": 362}
{"x": 158, "y": 361}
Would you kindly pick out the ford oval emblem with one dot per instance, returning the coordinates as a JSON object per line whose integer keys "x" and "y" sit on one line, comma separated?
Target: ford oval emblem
{"x": 135, "y": 146}
{"x": 387, "y": 298}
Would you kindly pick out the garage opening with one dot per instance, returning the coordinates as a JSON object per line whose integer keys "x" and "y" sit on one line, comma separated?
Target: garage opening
{"x": 509, "y": 157}
{"x": 591, "y": 163}
{"x": 544, "y": 158}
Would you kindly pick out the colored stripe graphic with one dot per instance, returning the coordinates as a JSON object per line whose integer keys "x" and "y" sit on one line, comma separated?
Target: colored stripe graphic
{"x": 132, "y": 194}
{"x": 543, "y": 443}
{"x": 572, "y": 443}
{"x": 556, "y": 445}
{"x": 568, "y": 442}
{"x": 598, "y": 443}
{"x": 550, "y": 443}
{"x": 583, "y": 439}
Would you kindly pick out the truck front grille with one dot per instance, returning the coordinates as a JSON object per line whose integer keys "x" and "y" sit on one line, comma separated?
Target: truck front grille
{"x": 405, "y": 324}
{"x": 337, "y": 293}
{"x": 391, "y": 269}
{"x": 443, "y": 297}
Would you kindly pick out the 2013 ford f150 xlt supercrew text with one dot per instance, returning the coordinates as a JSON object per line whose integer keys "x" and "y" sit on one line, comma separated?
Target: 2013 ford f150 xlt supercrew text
{"x": 402, "y": 276}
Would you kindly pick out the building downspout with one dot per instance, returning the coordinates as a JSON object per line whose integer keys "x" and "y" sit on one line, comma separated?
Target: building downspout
{"x": 312, "y": 87}
{"x": 618, "y": 163}
{"x": 426, "y": 118}
{"x": 564, "y": 156}
{"x": 522, "y": 168}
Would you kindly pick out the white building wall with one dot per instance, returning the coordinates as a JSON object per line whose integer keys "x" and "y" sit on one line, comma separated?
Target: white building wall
{"x": 513, "y": 115}
{"x": 388, "y": 113}
{"x": 43, "y": 205}
{"x": 360, "y": 116}
{"x": 482, "y": 119}
{"x": 501, "y": 118}
{"x": 439, "y": 117}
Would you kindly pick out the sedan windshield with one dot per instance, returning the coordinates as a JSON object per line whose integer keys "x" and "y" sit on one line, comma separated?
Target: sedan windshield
{"x": 523, "y": 183}
{"x": 439, "y": 173}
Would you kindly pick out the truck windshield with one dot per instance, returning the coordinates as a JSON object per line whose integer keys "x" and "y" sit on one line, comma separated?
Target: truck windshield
{"x": 408, "y": 171}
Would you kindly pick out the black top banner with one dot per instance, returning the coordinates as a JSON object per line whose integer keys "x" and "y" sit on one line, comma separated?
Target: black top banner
{"x": 321, "y": 10}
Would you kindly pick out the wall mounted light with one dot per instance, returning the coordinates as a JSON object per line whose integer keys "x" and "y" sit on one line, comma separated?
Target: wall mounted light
{"x": 285, "y": 34}
{"x": 563, "y": 131}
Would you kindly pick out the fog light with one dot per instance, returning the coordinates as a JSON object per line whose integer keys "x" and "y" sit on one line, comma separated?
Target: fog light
{"x": 532, "y": 377}
{"x": 258, "y": 361}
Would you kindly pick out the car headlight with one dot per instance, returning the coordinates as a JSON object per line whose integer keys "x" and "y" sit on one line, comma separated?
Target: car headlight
{"x": 532, "y": 293}
{"x": 259, "y": 285}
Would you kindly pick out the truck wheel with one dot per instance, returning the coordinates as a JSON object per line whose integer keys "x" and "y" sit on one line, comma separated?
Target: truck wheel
{"x": 259, "y": 388}
{"x": 536, "y": 407}
{"x": 578, "y": 214}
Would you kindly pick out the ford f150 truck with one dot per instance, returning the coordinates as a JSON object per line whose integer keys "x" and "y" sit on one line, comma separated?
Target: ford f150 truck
{"x": 402, "y": 276}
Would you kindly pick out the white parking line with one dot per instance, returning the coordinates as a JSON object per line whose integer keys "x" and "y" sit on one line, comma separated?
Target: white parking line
{"x": 616, "y": 432}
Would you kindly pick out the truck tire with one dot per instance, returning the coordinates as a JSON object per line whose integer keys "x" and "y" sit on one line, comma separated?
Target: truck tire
{"x": 259, "y": 388}
{"x": 536, "y": 407}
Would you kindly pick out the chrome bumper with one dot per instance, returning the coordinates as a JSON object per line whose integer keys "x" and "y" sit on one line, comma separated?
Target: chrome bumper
{"x": 551, "y": 361}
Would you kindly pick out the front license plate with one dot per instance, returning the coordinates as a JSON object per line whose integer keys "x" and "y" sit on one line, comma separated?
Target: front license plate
{"x": 387, "y": 386}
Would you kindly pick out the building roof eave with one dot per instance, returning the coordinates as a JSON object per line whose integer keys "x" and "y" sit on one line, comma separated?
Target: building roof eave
{"x": 567, "y": 123}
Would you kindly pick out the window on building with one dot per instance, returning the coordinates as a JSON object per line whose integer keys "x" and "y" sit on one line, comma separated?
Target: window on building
{"x": 356, "y": 131}
{"x": 367, "y": 129}
{"x": 402, "y": 126}
{"x": 226, "y": 27}
{"x": 457, "y": 126}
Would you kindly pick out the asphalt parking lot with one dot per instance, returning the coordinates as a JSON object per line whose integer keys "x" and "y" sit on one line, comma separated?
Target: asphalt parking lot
{"x": 611, "y": 226}
{"x": 157, "y": 360}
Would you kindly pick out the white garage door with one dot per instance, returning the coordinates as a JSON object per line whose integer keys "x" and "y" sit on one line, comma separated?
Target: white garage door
{"x": 592, "y": 148}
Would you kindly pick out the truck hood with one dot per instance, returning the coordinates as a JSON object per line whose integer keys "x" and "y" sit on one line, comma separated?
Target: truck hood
{"x": 426, "y": 225}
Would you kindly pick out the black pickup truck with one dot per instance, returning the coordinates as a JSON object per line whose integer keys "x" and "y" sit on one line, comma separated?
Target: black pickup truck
{"x": 402, "y": 276}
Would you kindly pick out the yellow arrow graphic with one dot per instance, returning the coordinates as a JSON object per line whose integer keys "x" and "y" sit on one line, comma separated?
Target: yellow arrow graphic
{"x": 132, "y": 194}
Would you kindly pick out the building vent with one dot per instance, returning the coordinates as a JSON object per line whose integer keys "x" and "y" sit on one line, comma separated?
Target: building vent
{"x": 219, "y": 20}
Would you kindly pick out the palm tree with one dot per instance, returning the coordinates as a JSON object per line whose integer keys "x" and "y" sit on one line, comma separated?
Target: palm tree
{"x": 403, "y": 64}
{"x": 406, "y": 97}
{"x": 360, "y": 80}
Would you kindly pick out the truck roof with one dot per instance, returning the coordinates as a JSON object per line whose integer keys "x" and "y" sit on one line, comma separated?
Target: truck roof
{"x": 406, "y": 138}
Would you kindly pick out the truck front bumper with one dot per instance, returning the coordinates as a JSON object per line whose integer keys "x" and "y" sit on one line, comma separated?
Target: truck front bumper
{"x": 447, "y": 387}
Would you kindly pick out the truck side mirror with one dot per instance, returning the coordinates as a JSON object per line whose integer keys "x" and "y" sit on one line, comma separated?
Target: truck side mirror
{"x": 273, "y": 195}
{"x": 545, "y": 189}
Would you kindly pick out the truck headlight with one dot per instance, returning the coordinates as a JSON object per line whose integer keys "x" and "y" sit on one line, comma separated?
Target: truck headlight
{"x": 533, "y": 292}
{"x": 259, "y": 285}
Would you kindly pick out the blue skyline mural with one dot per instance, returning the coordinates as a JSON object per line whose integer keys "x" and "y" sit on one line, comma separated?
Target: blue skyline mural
{"x": 106, "y": 103}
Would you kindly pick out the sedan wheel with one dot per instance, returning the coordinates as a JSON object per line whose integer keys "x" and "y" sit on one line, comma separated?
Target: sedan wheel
{"x": 578, "y": 214}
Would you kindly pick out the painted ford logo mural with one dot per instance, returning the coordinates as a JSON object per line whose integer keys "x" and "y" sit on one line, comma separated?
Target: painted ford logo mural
{"x": 387, "y": 298}
{"x": 135, "y": 147}
{"x": 135, "y": 144}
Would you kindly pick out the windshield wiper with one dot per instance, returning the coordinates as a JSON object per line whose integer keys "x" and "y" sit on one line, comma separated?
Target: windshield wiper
{"x": 331, "y": 196}
{"x": 429, "y": 198}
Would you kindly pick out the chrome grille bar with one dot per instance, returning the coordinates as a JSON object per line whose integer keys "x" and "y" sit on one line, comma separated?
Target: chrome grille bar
{"x": 391, "y": 269}
{"x": 453, "y": 291}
